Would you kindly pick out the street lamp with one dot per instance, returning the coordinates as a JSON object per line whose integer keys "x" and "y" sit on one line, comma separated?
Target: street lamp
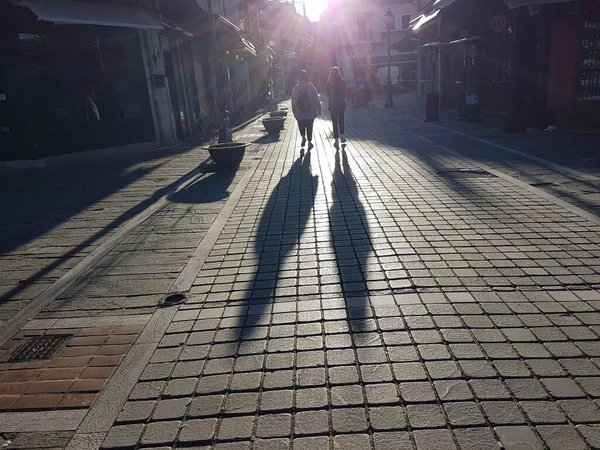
{"x": 388, "y": 21}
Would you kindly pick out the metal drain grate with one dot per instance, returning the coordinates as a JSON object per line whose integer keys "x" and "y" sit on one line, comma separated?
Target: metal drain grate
{"x": 39, "y": 347}
{"x": 465, "y": 173}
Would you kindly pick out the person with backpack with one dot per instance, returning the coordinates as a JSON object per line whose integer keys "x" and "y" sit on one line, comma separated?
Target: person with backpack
{"x": 336, "y": 91}
{"x": 306, "y": 106}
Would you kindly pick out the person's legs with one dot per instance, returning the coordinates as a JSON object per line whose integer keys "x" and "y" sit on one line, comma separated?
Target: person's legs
{"x": 309, "y": 129}
{"x": 335, "y": 117}
{"x": 302, "y": 128}
{"x": 341, "y": 124}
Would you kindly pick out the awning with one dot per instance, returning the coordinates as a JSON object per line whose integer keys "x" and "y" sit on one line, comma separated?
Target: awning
{"x": 439, "y": 4}
{"x": 425, "y": 21}
{"x": 512, "y": 4}
{"x": 230, "y": 37}
{"x": 468, "y": 40}
{"x": 84, "y": 13}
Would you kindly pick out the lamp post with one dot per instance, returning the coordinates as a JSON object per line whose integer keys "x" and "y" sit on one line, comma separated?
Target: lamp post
{"x": 388, "y": 21}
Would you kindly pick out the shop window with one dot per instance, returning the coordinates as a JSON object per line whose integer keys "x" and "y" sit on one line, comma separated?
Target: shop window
{"x": 405, "y": 21}
{"x": 361, "y": 29}
{"x": 39, "y": 51}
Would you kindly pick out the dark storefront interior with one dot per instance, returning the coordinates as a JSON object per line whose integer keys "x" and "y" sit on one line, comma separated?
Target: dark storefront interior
{"x": 70, "y": 87}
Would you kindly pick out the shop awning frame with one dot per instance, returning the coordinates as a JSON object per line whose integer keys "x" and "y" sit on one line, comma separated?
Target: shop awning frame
{"x": 69, "y": 12}
{"x": 441, "y": 4}
{"x": 425, "y": 21}
{"x": 467, "y": 40}
{"x": 512, "y": 4}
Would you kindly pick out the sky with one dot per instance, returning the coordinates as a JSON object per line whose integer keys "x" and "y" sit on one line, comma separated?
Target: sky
{"x": 313, "y": 8}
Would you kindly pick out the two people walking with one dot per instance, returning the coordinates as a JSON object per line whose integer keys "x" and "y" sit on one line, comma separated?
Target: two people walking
{"x": 306, "y": 105}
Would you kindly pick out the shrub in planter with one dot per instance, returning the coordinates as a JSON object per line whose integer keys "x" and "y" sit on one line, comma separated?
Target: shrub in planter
{"x": 279, "y": 113}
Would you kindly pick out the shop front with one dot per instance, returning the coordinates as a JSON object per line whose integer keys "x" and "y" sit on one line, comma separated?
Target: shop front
{"x": 73, "y": 86}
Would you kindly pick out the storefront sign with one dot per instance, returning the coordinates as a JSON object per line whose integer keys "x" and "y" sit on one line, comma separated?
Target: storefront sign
{"x": 498, "y": 23}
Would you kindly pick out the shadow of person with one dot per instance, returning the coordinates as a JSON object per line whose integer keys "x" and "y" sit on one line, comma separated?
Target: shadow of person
{"x": 351, "y": 239}
{"x": 282, "y": 224}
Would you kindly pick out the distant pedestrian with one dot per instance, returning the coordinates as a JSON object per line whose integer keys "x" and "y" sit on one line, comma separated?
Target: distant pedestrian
{"x": 306, "y": 106}
{"x": 336, "y": 91}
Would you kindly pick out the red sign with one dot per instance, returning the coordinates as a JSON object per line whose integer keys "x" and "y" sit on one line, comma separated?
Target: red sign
{"x": 498, "y": 23}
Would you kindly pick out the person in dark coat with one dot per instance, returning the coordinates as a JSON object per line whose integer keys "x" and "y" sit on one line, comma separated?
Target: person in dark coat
{"x": 306, "y": 106}
{"x": 336, "y": 91}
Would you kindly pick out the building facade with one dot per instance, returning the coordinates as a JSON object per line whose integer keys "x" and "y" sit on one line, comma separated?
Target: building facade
{"x": 84, "y": 75}
{"x": 534, "y": 62}
{"x": 358, "y": 41}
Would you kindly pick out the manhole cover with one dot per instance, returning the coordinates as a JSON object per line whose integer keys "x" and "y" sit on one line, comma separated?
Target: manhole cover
{"x": 39, "y": 347}
{"x": 465, "y": 173}
{"x": 174, "y": 299}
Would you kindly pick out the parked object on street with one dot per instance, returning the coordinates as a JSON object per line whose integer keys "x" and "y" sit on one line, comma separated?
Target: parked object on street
{"x": 306, "y": 106}
{"x": 273, "y": 125}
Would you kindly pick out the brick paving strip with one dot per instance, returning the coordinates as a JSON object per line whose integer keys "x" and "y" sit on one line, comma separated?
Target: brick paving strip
{"x": 367, "y": 298}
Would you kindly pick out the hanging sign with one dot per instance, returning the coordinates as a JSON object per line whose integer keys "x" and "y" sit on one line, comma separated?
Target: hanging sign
{"x": 498, "y": 23}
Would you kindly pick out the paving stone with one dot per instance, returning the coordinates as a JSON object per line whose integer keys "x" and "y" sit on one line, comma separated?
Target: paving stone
{"x": 147, "y": 390}
{"x": 526, "y": 388}
{"x": 410, "y": 371}
{"x": 349, "y": 420}
{"x": 464, "y": 414}
{"x": 273, "y": 425}
{"x": 489, "y": 389}
{"x": 375, "y": 373}
{"x": 562, "y": 388}
{"x": 278, "y": 379}
{"x": 399, "y": 440}
{"x": 205, "y": 406}
{"x": 425, "y": 416}
{"x": 517, "y": 438}
{"x": 503, "y": 412}
{"x": 123, "y": 436}
{"x": 311, "y": 443}
{"x": 417, "y": 392}
{"x": 450, "y": 390}
{"x": 197, "y": 430}
{"x": 379, "y": 394}
{"x": 343, "y": 375}
{"x": 170, "y": 409}
{"x": 159, "y": 433}
{"x": 279, "y": 400}
{"x": 543, "y": 412}
{"x": 475, "y": 438}
{"x": 271, "y": 444}
{"x": 355, "y": 441}
{"x": 563, "y": 437}
{"x": 136, "y": 411}
{"x": 311, "y": 422}
{"x": 213, "y": 384}
{"x": 434, "y": 439}
{"x": 581, "y": 411}
{"x": 240, "y": 403}
{"x": 591, "y": 433}
{"x": 311, "y": 398}
{"x": 387, "y": 418}
{"x": 235, "y": 428}
{"x": 310, "y": 377}
{"x": 181, "y": 387}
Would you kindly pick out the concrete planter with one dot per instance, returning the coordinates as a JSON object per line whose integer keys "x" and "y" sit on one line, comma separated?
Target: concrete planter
{"x": 227, "y": 156}
{"x": 273, "y": 125}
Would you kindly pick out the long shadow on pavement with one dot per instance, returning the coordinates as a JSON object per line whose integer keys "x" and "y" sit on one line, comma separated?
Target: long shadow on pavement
{"x": 351, "y": 238}
{"x": 279, "y": 232}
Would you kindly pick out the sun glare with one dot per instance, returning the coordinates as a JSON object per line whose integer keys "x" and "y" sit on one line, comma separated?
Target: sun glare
{"x": 314, "y": 8}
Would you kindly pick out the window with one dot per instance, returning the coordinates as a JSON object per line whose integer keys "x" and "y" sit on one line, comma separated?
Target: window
{"x": 361, "y": 29}
{"x": 405, "y": 21}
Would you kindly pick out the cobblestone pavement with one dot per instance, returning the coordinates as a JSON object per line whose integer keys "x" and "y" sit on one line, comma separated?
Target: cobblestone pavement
{"x": 389, "y": 295}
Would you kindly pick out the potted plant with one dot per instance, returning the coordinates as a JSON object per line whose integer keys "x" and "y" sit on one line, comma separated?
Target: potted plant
{"x": 225, "y": 153}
